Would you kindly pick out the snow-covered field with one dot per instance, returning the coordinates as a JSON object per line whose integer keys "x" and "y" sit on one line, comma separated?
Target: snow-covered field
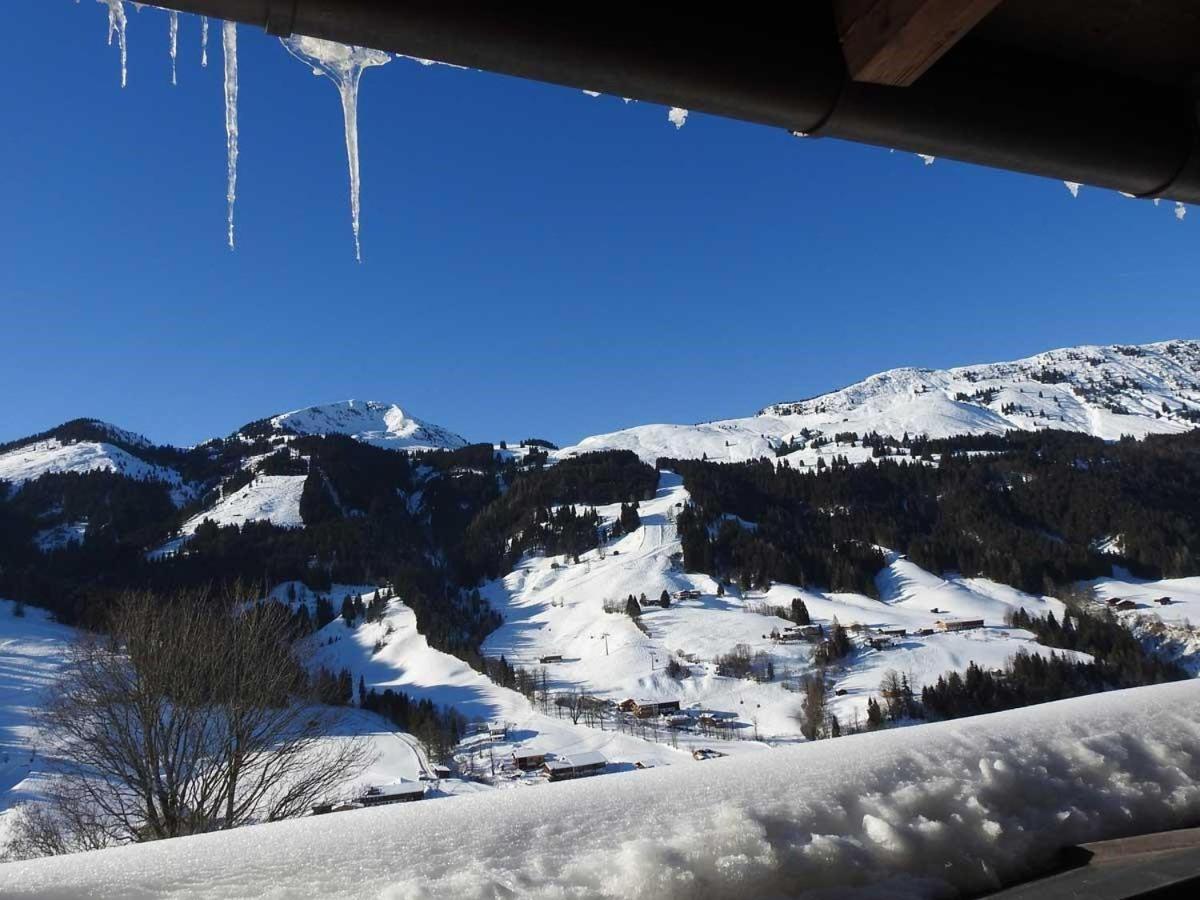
{"x": 32, "y": 650}
{"x": 954, "y": 807}
{"x": 1104, "y": 391}
{"x": 52, "y": 456}
{"x": 554, "y": 607}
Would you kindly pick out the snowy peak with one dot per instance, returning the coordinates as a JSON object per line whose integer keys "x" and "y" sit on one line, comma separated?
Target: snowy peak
{"x": 381, "y": 424}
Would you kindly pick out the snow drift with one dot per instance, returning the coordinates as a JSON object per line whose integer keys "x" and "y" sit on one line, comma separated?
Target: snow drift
{"x": 926, "y": 811}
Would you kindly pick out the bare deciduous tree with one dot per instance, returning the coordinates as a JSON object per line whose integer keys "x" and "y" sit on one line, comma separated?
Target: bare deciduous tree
{"x": 191, "y": 714}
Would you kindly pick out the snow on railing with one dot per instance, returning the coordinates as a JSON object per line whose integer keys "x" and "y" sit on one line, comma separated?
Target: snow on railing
{"x": 932, "y": 810}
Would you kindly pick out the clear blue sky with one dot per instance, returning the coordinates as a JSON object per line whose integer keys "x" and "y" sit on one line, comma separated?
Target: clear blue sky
{"x": 536, "y": 262}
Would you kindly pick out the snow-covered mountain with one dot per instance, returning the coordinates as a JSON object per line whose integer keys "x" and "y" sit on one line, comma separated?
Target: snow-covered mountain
{"x": 53, "y": 456}
{"x": 1102, "y": 391}
{"x": 382, "y": 424}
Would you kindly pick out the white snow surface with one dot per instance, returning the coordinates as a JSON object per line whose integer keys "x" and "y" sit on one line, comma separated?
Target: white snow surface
{"x": 382, "y": 424}
{"x": 1104, "y": 391}
{"x": 32, "y": 651}
{"x": 954, "y": 807}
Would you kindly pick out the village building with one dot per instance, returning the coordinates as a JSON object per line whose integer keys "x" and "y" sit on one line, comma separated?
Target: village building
{"x": 1126, "y": 605}
{"x": 577, "y": 765}
{"x": 406, "y": 792}
{"x": 1163, "y": 601}
{"x": 528, "y": 758}
{"x": 645, "y": 709}
{"x": 550, "y": 658}
{"x": 957, "y": 624}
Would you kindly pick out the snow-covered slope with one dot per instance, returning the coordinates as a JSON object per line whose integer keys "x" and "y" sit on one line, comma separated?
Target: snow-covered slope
{"x": 32, "y": 650}
{"x": 382, "y": 424}
{"x": 1165, "y": 614}
{"x": 552, "y": 606}
{"x": 268, "y": 498}
{"x": 949, "y": 809}
{"x": 51, "y": 456}
{"x": 392, "y": 653}
{"x": 1103, "y": 391}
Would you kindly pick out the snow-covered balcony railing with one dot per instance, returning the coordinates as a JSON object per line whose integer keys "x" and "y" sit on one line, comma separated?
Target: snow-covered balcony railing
{"x": 926, "y": 811}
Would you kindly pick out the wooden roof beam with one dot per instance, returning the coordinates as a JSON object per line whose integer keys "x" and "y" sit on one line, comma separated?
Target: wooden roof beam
{"x": 893, "y": 42}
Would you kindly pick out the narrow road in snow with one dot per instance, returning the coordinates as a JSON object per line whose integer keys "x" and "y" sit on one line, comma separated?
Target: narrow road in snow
{"x": 424, "y": 767}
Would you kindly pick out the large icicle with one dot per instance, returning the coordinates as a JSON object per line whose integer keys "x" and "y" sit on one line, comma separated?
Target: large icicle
{"x": 229, "y": 45}
{"x": 344, "y": 65}
{"x": 677, "y": 117}
{"x": 174, "y": 32}
{"x": 204, "y": 41}
{"x": 116, "y": 25}
{"x": 1073, "y": 187}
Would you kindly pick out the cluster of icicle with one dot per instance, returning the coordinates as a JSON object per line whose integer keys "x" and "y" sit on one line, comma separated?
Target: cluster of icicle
{"x": 343, "y": 65}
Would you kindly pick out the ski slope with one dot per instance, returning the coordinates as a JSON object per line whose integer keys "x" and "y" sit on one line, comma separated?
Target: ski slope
{"x": 32, "y": 651}
{"x": 1102, "y": 391}
{"x": 554, "y": 607}
{"x": 947, "y": 809}
{"x": 381, "y": 424}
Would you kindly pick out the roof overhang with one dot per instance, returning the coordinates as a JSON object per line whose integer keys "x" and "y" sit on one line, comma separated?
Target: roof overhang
{"x": 1102, "y": 93}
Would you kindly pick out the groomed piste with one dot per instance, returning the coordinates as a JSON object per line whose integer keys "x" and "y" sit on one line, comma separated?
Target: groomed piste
{"x": 936, "y": 810}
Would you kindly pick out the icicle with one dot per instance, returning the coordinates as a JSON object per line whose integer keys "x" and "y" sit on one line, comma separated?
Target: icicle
{"x": 229, "y": 45}
{"x": 1156, "y": 199}
{"x": 928, "y": 159}
{"x": 116, "y": 25}
{"x": 592, "y": 93}
{"x": 677, "y": 117}
{"x": 204, "y": 41}
{"x": 174, "y": 31}
{"x": 344, "y": 65}
{"x": 1073, "y": 187}
{"x": 1180, "y": 210}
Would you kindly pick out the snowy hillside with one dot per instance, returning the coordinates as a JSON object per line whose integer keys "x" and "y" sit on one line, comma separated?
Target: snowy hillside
{"x": 268, "y": 498}
{"x": 1103, "y": 391}
{"x": 1164, "y": 614}
{"x": 554, "y": 607}
{"x": 955, "y": 808}
{"x": 53, "y": 456}
{"x": 382, "y": 424}
{"x": 393, "y": 654}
